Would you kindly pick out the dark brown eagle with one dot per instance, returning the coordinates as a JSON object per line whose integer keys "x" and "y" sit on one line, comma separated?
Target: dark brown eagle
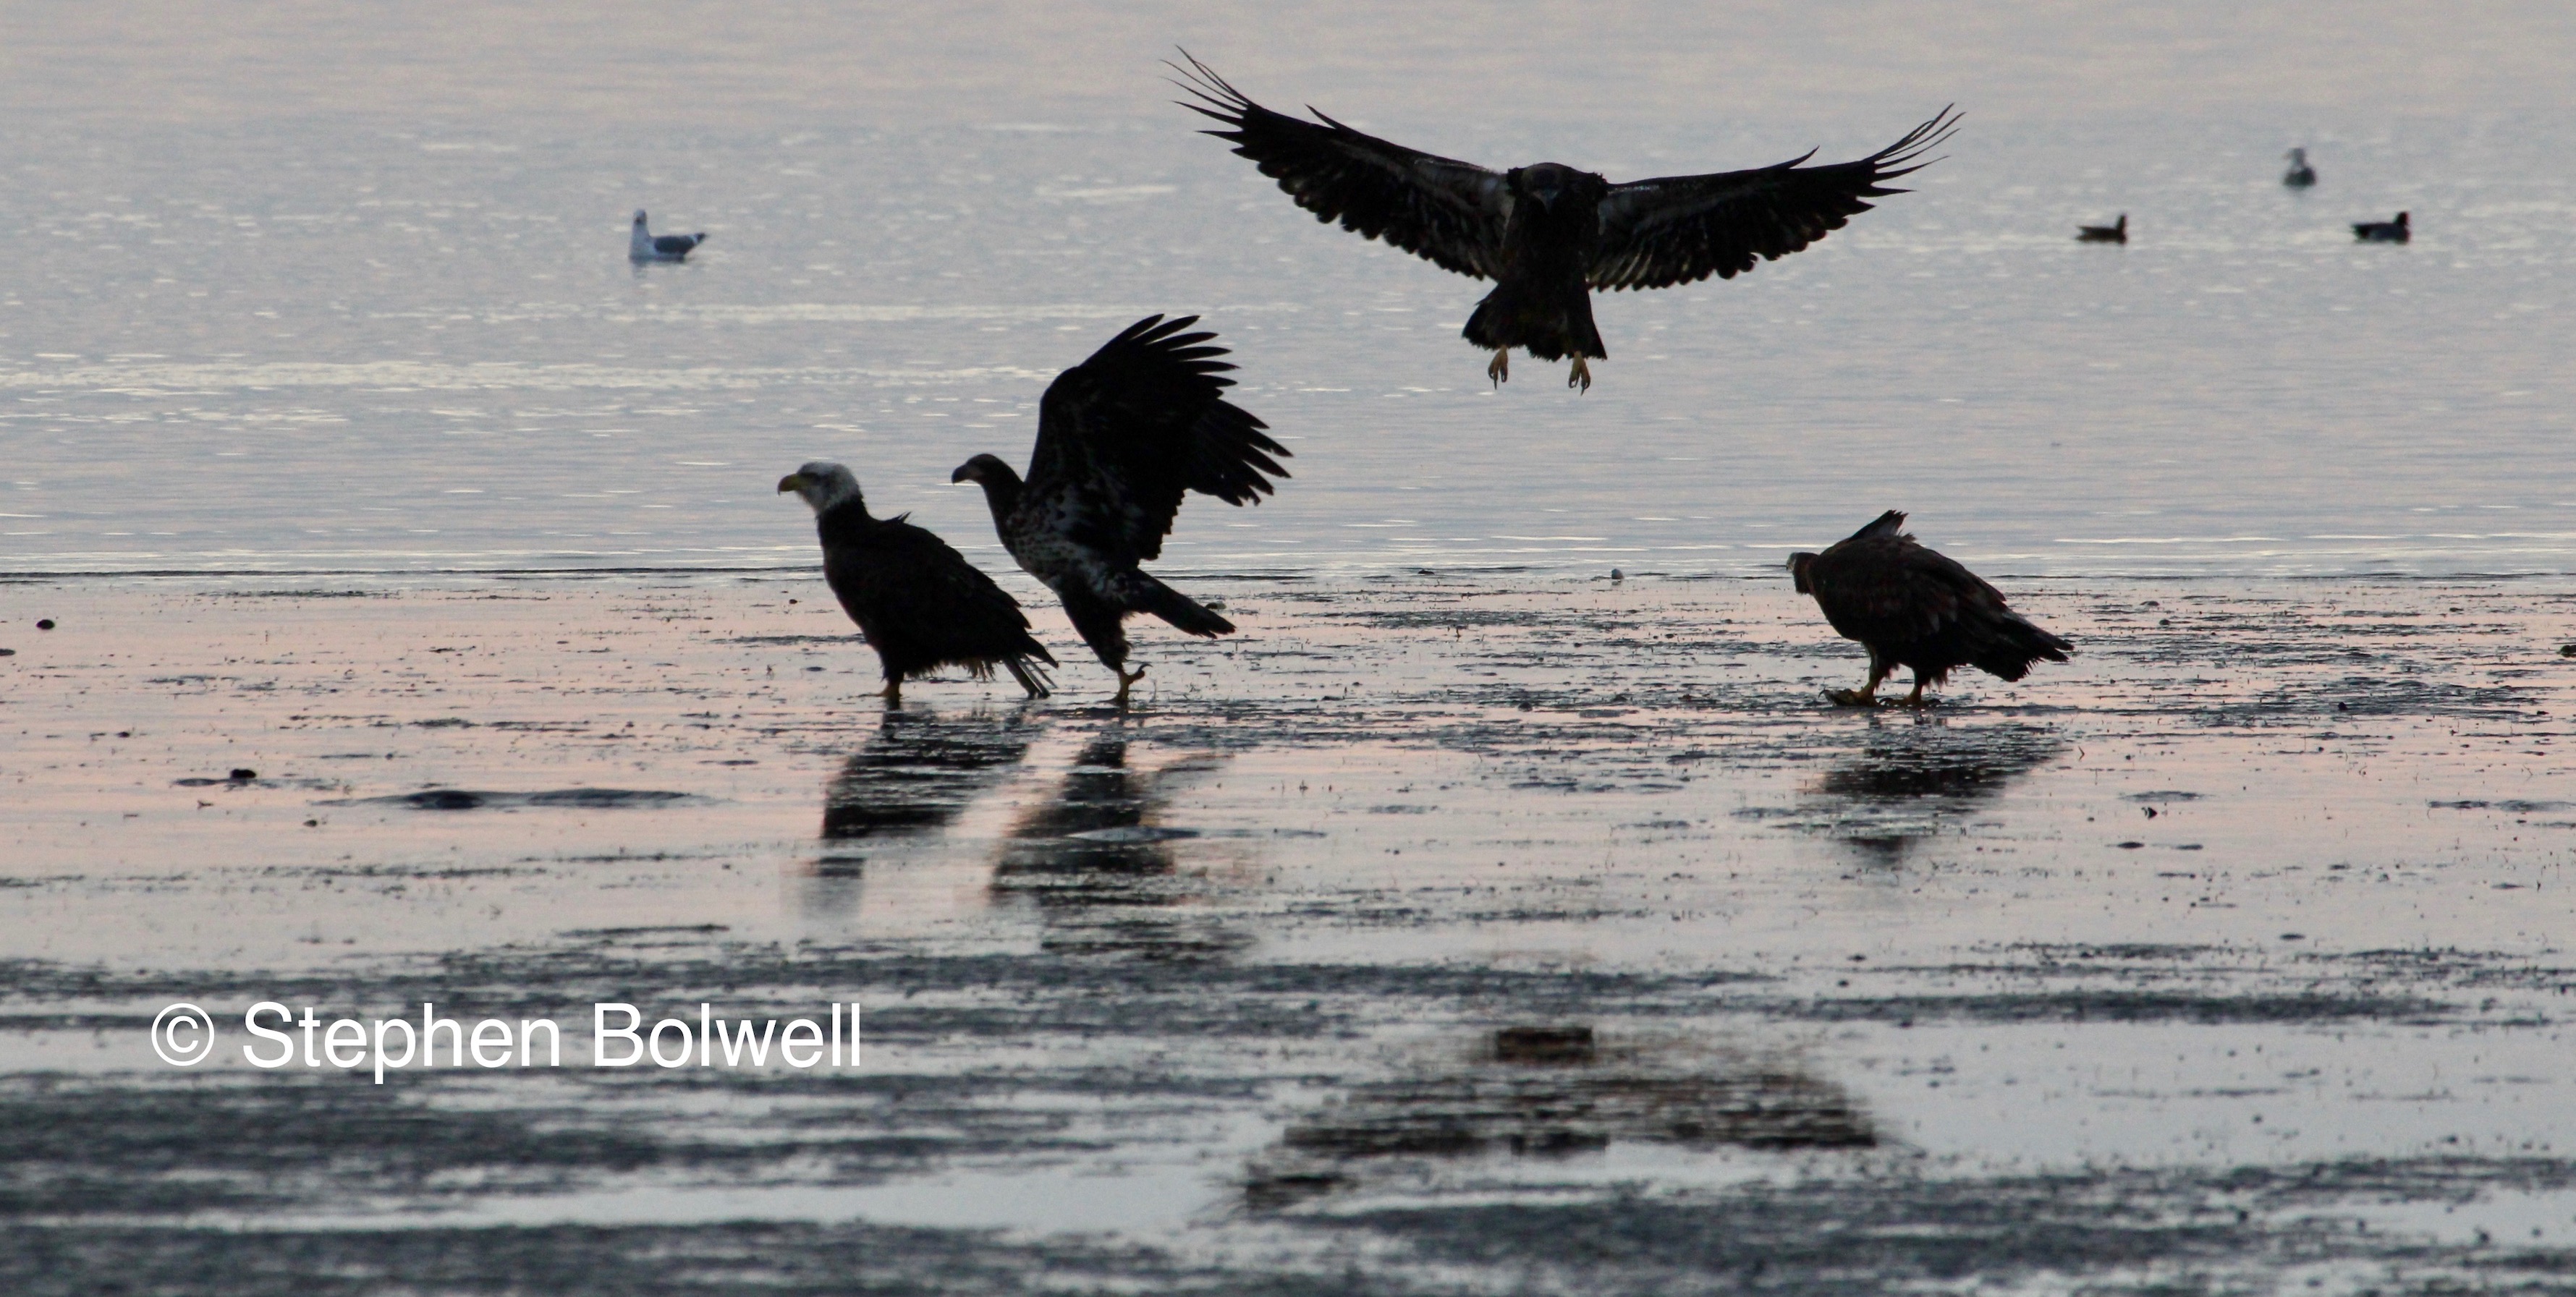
{"x": 1121, "y": 437}
{"x": 1548, "y": 234}
{"x": 921, "y": 605}
{"x": 1911, "y": 607}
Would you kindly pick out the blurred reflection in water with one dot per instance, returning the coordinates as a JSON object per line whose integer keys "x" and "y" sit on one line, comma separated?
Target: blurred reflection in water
{"x": 921, "y": 770}
{"x": 1914, "y": 779}
{"x": 915, "y": 775}
{"x": 1554, "y": 1091}
{"x": 1099, "y": 863}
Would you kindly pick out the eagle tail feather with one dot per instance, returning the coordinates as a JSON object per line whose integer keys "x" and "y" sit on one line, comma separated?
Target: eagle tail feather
{"x": 1185, "y": 614}
{"x": 2016, "y": 646}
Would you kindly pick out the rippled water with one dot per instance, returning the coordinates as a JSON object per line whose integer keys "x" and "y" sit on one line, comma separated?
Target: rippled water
{"x": 307, "y": 296}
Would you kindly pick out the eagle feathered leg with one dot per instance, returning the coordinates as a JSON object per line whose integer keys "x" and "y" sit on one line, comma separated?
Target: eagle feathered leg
{"x": 1501, "y": 370}
{"x": 1126, "y": 681}
{"x": 1580, "y": 375}
{"x": 1866, "y": 695}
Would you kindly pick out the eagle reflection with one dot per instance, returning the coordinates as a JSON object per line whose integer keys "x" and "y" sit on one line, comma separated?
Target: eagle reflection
{"x": 919, "y": 772}
{"x": 1099, "y": 865}
{"x": 1911, "y": 781}
{"x": 1552, "y": 1092}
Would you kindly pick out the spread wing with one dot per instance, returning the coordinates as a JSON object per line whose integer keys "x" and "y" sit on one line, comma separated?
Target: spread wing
{"x": 1447, "y": 211}
{"x": 1683, "y": 229}
{"x": 903, "y": 581}
{"x": 1123, "y": 435}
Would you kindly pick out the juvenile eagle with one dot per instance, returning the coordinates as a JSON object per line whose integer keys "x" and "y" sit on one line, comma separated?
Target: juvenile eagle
{"x": 1911, "y": 607}
{"x": 921, "y": 605}
{"x": 1120, "y": 437}
{"x": 1548, "y": 234}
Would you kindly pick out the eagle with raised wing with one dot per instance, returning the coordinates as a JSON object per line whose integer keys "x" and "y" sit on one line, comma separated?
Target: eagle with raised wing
{"x": 1913, "y": 607}
{"x": 1548, "y": 234}
{"x": 1121, "y": 438}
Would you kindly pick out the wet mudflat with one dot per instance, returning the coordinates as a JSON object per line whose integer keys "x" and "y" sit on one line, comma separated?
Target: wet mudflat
{"x": 1444, "y": 932}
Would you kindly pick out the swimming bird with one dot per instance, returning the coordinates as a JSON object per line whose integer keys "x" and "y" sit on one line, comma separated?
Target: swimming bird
{"x": 1548, "y": 234}
{"x": 644, "y": 245}
{"x": 1121, "y": 437}
{"x": 1912, "y": 607}
{"x": 2300, "y": 175}
{"x": 2116, "y": 232}
{"x": 921, "y": 605}
{"x": 2396, "y": 231}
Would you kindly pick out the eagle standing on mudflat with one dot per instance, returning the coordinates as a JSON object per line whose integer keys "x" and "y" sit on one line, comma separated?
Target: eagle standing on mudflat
{"x": 1912, "y": 607}
{"x": 921, "y": 605}
{"x": 1548, "y": 234}
{"x": 1121, "y": 437}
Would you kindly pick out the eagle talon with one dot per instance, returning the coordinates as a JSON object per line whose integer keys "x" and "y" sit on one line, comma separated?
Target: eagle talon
{"x": 1501, "y": 369}
{"x": 892, "y": 693}
{"x": 1580, "y": 375}
{"x": 1853, "y": 697}
{"x": 1126, "y": 681}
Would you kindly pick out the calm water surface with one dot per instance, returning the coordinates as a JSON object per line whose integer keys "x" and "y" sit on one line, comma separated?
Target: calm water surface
{"x": 307, "y": 297}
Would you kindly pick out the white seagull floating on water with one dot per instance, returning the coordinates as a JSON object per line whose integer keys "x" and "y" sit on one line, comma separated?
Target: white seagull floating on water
{"x": 644, "y": 245}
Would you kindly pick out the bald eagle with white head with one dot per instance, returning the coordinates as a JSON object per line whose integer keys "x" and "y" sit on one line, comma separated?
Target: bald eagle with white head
{"x": 920, "y": 604}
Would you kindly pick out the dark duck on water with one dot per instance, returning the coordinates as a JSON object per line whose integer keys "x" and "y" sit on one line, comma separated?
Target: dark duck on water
{"x": 1912, "y": 607}
{"x": 1550, "y": 234}
{"x": 921, "y": 605}
{"x": 1121, "y": 438}
{"x": 2396, "y": 231}
{"x": 2115, "y": 232}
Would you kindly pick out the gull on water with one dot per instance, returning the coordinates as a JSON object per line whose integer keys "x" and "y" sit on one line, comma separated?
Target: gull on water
{"x": 644, "y": 245}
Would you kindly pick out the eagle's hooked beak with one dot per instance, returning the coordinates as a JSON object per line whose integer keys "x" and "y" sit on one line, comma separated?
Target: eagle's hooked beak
{"x": 965, "y": 473}
{"x": 791, "y": 482}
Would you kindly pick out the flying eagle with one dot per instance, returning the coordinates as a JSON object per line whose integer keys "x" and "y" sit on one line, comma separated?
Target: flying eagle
{"x": 644, "y": 245}
{"x": 921, "y": 605}
{"x": 1120, "y": 437}
{"x": 1911, "y": 607}
{"x": 1548, "y": 234}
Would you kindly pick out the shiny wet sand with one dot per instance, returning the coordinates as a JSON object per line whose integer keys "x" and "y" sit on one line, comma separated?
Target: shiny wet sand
{"x": 1498, "y": 928}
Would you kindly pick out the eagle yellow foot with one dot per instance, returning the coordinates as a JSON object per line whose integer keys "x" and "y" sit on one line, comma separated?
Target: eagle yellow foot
{"x": 892, "y": 693}
{"x": 1854, "y": 697}
{"x": 1126, "y": 681}
{"x": 1580, "y": 375}
{"x": 1916, "y": 699}
{"x": 1501, "y": 370}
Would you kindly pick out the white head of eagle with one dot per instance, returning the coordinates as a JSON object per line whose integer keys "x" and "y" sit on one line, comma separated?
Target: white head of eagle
{"x": 822, "y": 484}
